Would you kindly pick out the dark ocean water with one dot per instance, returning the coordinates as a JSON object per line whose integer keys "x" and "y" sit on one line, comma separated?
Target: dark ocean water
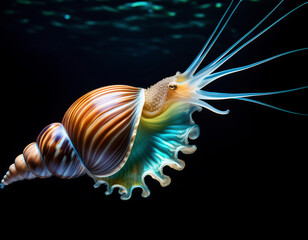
{"x": 251, "y": 162}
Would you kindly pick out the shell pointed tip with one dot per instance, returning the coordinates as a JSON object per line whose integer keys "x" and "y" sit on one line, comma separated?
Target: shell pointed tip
{"x": 2, "y": 186}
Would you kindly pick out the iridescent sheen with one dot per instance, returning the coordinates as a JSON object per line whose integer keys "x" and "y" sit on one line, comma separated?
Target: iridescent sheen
{"x": 157, "y": 144}
{"x": 118, "y": 134}
{"x": 95, "y": 137}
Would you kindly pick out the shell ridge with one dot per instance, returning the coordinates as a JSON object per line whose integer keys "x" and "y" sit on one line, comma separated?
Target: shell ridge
{"x": 91, "y": 111}
{"x": 42, "y": 159}
{"x": 99, "y": 122}
{"x": 134, "y": 117}
{"x": 92, "y": 123}
{"x": 29, "y": 172}
{"x": 75, "y": 150}
{"x": 98, "y": 135}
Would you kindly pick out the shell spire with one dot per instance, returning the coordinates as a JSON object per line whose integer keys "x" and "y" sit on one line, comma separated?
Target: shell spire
{"x": 51, "y": 154}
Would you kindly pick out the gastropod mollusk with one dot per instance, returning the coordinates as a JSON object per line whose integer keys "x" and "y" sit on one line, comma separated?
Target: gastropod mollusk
{"x": 97, "y": 135}
{"x": 120, "y": 134}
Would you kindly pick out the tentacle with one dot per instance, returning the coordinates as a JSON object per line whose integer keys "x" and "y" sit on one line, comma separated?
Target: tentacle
{"x": 230, "y": 48}
{"x": 206, "y": 75}
{"x": 216, "y": 64}
{"x": 206, "y": 95}
{"x": 210, "y": 68}
{"x": 207, "y": 106}
{"x": 202, "y": 82}
{"x": 206, "y": 48}
{"x": 271, "y": 106}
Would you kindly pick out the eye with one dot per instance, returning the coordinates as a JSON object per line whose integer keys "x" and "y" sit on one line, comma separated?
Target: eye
{"x": 172, "y": 86}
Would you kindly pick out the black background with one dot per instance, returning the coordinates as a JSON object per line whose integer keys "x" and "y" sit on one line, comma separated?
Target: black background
{"x": 250, "y": 164}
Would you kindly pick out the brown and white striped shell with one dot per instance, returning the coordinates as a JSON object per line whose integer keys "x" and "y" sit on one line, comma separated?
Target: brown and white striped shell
{"x": 95, "y": 137}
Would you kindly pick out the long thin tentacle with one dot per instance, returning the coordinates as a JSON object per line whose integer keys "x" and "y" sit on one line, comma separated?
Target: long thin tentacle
{"x": 214, "y": 76}
{"x": 207, "y": 106}
{"x": 242, "y": 38}
{"x": 206, "y": 48}
{"x": 206, "y": 95}
{"x": 206, "y": 75}
{"x": 271, "y": 106}
{"x": 216, "y": 64}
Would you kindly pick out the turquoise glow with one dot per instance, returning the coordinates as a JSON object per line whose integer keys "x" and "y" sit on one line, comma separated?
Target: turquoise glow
{"x": 157, "y": 144}
{"x": 67, "y": 16}
{"x": 218, "y": 5}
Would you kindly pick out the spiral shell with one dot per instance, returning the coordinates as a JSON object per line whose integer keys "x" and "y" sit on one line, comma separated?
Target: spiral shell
{"x": 96, "y": 136}
{"x": 102, "y": 126}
